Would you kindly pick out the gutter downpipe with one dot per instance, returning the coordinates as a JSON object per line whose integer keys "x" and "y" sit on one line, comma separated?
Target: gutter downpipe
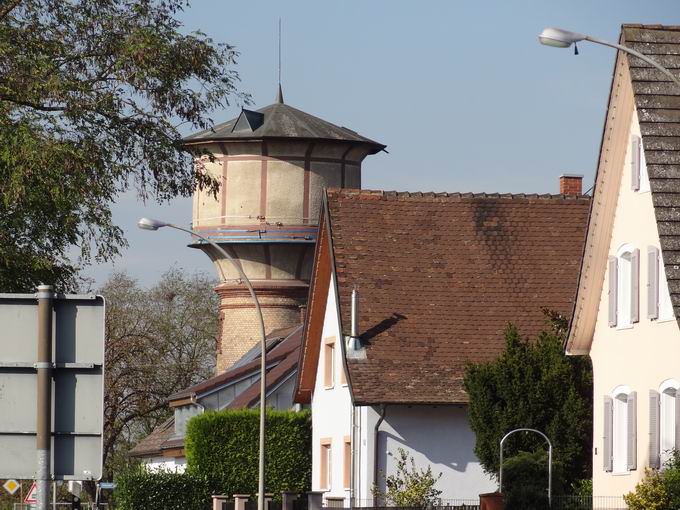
{"x": 383, "y": 412}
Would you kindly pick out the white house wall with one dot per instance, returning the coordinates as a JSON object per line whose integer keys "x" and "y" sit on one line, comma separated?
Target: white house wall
{"x": 165, "y": 464}
{"x": 438, "y": 437}
{"x": 640, "y": 357}
{"x": 331, "y": 408}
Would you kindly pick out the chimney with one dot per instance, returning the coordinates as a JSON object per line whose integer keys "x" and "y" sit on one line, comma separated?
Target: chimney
{"x": 571, "y": 184}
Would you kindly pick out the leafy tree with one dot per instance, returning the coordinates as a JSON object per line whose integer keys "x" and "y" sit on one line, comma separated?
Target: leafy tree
{"x": 92, "y": 96}
{"x": 410, "y": 486}
{"x": 158, "y": 341}
{"x": 534, "y": 384}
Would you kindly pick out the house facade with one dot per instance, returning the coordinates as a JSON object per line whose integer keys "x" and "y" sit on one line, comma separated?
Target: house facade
{"x": 438, "y": 277}
{"x": 629, "y": 287}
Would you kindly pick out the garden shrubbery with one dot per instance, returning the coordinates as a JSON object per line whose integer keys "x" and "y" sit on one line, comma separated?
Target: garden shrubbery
{"x": 660, "y": 489}
{"x": 161, "y": 490}
{"x": 222, "y": 451}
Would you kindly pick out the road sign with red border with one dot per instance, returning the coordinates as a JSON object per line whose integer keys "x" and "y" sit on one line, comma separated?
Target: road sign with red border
{"x": 30, "y": 497}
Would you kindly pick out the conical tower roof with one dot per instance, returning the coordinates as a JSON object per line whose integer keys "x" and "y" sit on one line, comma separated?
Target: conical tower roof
{"x": 280, "y": 121}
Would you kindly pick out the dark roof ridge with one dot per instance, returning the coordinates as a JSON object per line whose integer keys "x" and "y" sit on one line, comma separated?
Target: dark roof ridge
{"x": 370, "y": 194}
{"x": 277, "y": 354}
{"x": 654, "y": 26}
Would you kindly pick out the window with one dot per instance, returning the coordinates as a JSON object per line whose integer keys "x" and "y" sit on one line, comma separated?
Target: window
{"x": 664, "y": 424}
{"x": 659, "y": 304}
{"x": 343, "y": 376}
{"x": 623, "y": 287}
{"x": 638, "y": 165}
{"x": 325, "y": 464}
{"x": 620, "y": 431}
{"x": 665, "y": 305}
{"x": 329, "y": 362}
{"x": 667, "y": 423}
{"x": 347, "y": 473}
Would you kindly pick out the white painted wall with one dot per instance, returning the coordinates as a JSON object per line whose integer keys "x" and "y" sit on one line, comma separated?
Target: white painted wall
{"x": 640, "y": 357}
{"x": 170, "y": 464}
{"x": 439, "y": 437}
{"x": 331, "y": 407}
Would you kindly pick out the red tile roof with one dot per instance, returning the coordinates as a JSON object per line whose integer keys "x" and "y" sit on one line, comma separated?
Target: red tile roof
{"x": 440, "y": 276}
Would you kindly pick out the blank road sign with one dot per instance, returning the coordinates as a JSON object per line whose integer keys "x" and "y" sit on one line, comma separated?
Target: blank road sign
{"x": 77, "y": 389}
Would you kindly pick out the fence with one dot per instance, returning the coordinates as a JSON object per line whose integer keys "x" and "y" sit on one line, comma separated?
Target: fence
{"x": 588, "y": 503}
{"x": 443, "y": 504}
{"x": 61, "y": 506}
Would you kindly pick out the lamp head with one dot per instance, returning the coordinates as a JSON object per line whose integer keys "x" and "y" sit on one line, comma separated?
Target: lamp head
{"x": 559, "y": 38}
{"x": 150, "y": 224}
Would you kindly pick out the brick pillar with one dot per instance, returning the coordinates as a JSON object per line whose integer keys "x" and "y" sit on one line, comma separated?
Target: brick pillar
{"x": 240, "y": 331}
{"x": 240, "y": 501}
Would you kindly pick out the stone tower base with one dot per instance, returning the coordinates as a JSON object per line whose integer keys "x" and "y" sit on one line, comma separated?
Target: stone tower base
{"x": 239, "y": 328}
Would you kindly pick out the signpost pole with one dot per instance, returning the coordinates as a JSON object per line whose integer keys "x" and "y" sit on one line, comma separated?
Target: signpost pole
{"x": 44, "y": 415}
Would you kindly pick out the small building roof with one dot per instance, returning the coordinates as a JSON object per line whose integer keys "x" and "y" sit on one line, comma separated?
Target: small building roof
{"x": 283, "y": 346}
{"x": 280, "y": 121}
{"x": 439, "y": 277}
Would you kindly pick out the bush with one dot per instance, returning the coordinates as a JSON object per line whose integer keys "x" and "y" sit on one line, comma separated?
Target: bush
{"x": 649, "y": 494}
{"x": 660, "y": 490}
{"x": 139, "y": 489}
{"x": 525, "y": 481}
{"x": 225, "y": 444}
{"x": 534, "y": 384}
{"x": 410, "y": 486}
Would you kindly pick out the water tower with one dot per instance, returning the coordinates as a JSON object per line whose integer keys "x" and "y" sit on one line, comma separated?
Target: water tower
{"x": 272, "y": 164}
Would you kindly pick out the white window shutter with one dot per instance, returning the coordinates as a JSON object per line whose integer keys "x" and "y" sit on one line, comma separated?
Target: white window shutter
{"x": 654, "y": 447}
{"x": 607, "y": 439}
{"x": 652, "y": 282}
{"x": 635, "y": 162}
{"x": 677, "y": 419}
{"x": 632, "y": 430}
{"x": 613, "y": 280}
{"x": 635, "y": 286}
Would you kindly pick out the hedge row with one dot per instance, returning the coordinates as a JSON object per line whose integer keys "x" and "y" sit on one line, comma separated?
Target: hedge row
{"x": 225, "y": 444}
{"x": 139, "y": 489}
{"x": 222, "y": 450}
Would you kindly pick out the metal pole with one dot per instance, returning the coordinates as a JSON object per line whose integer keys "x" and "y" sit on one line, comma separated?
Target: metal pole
{"x": 637, "y": 54}
{"x": 44, "y": 415}
{"x": 263, "y": 360}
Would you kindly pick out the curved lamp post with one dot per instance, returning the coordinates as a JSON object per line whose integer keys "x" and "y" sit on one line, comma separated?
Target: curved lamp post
{"x": 151, "y": 224}
{"x": 559, "y": 38}
{"x": 500, "y": 474}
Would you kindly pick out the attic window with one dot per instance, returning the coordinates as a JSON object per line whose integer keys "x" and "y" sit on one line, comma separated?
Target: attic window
{"x": 248, "y": 121}
{"x": 638, "y": 166}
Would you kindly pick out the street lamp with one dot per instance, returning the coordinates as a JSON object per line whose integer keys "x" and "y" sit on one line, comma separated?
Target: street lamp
{"x": 558, "y": 38}
{"x": 152, "y": 224}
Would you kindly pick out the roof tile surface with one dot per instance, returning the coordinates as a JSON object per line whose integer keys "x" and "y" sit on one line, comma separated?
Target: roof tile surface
{"x": 440, "y": 276}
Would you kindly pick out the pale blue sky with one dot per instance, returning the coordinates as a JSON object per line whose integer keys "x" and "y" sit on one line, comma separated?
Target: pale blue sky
{"x": 461, "y": 93}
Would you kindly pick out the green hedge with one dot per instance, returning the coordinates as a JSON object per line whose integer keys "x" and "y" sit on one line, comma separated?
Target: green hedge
{"x": 138, "y": 489}
{"x": 225, "y": 444}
